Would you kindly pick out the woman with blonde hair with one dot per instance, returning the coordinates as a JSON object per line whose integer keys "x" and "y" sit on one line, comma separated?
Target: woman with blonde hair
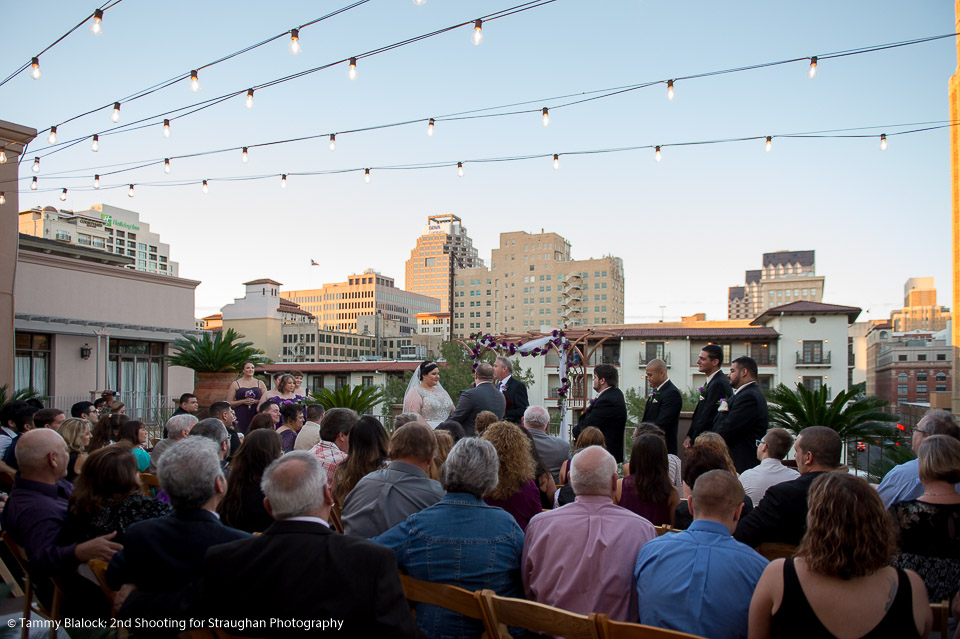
{"x": 516, "y": 491}
{"x": 840, "y": 582}
{"x": 589, "y": 436}
{"x": 717, "y": 443}
{"x": 77, "y": 433}
{"x": 444, "y": 444}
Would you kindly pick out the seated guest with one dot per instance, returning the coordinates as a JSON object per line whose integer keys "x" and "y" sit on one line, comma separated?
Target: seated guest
{"x": 85, "y": 410}
{"x": 118, "y": 408}
{"x": 782, "y": 515}
{"x": 386, "y": 497}
{"x": 164, "y": 554}
{"x": 484, "y": 419}
{"x": 929, "y": 526}
{"x": 242, "y": 506}
{"x": 648, "y": 491}
{"x": 840, "y": 582}
{"x": 48, "y": 418}
{"x": 106, "y": 431}
{"x": 770, "y": 451}
{"x": 903, "y": 483}
{"x": 452, "y": 427}
{"x": 272, "y": 409}
{"x": 264, "y": 420}
{"x": 213, "y": 429}
{"x": 552, "y": 450}
{"x": 719, "y": 444}
{"x": 368, "y": 444}
{"x": 546, "y": 485}
{"x": 292, "y": 416}
{"x": 100, "y": 404}
{"x": 76, "y": 433}
{"x": 444, "y": 444}
{"x": 700, "y": 580}
{"x": 406, "y": 418}
{"x": 309, "y": 435}
{"x": 16, "y": 418}
{"x": 134, "y": 433}
{"x": 334, "y": 441}
{"x": 460, "y": 540}
{"x": 177, "y": 427}
{"x": 108, "y": 497}
{"x": 224, "y": 412}
{"x": 589, "y": 436}
{"x": 673, "y": 462}
{"x": 699, "y": 460}
{"x": 516, "y": 491}
{"x": 187, "y": 405}
{"x": 556, "y": 569}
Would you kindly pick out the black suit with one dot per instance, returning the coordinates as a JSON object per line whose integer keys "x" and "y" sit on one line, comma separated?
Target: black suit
{"x": 515, "y": 395}
{"x": 485, "y": 396}
{"x": 705, "y": 414}
{"x": 743, "y": 424}
{"x": 664, "y": 411}
{"x": 781, "y": 516}
{"x": 609, "y": 414}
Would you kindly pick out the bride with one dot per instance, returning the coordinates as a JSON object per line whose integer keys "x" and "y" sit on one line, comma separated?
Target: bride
{"x": 426, "y": 396}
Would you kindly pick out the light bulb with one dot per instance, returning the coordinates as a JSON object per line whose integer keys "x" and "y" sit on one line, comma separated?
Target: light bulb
{"x": 366, "y": 176}
{"x": 670, "y": 92}
{"x": 657, "y": 156}
{"x": 556, "y": 161}
{"x": 419, "y": 3}
{"x": 333, "y": 141}
{"x": 883, "y": 141}
{"x": 249, "y": 101}
{"x": 194, "y": 81}
{"x": 352, "y": 71}
{"x": 166, "y": 165}
{"x": 546, "y": 116}
{"x": 130, "y": 191}
{"x": 243, "y": 157}
{"x": 115, "y": 116}
{"x": 3, "y": 156}
{"x": 812, "y": 73}
{"x": 430, "y": 127}
{"x": 204, "y": 188}
{"x": 36, "y": 165}
{"x": 96, "y": 181}
{"x": 3, "y": 198}
{"x": 460, "y": 169}
{"x": 35, "y": 69}
{"x": 478, "y": 32}
{"x": 33, "y": 185}
{"x": 63, "y": 195}
{"x": 166, "y": 128}
{"x": 96, "y": 27}
{"x": 294, "y": 41}
{"x": 283, "y": 181}
{"x": 95, "y": 145}
{"x": 769, "y": 144}
{"x": 52, "y": 138}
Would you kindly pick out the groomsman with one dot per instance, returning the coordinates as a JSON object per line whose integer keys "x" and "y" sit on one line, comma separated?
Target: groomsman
{"x": 716, "y": 387}
{"x": 608, "y": 410}
{"x": 742, "y": 419}
{"x": 663, "y": 403}
{"x": 514, "y": 392}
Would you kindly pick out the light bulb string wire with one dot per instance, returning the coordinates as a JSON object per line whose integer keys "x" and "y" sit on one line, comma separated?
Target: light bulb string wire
{"x": 841, "y": 133}
{"x": 104, "y": 7}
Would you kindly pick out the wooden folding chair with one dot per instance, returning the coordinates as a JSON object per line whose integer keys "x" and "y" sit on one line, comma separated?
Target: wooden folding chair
{"x": 6, "y": 481}
{"x": 149, "y": 481}
{"x": 507, "y": 611}
{"x": 772, "y": 550}
{"x": 29, "y": 605}
{"x": 666, "y": 528}
{"x": 610, "y": 629}
{"x": 459, "y": 600}
{"x": 941, "y": 618}
{"x": 335, "y": 520}
{"x": 99, "y": 569}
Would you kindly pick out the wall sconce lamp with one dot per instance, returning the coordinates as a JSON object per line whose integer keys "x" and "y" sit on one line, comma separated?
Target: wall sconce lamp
{"x": 85, "y": 351}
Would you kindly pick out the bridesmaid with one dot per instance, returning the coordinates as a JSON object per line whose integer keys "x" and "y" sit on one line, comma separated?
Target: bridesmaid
{"x": 246, "y": 392}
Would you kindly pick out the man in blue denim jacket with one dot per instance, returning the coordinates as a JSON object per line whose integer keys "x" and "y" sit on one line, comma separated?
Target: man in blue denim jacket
{"x": 460, "y": 540}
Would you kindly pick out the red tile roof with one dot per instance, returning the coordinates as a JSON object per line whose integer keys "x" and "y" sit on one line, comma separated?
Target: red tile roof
{"x": 346, "y": 367}
{"x": 739, "y": 332}
{"x": 809, "y": 308}
{"x": 262, "y": 281}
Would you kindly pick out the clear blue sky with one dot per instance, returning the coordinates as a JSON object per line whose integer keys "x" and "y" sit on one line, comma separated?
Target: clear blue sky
{"x": 686, "y": 228}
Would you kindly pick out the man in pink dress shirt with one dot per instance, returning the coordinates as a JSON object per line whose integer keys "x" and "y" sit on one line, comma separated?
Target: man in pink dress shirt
{"x": 578, "y": 557}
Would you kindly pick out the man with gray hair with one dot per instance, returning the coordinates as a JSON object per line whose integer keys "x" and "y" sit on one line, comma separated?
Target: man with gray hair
{"x": 484, "y": 396}
{"x": 333, "y": 582}
{"x": 556, "y": 567}
{"x": 214, "y": 430}
{"x": 902, "y": 483}
{"x": 514, "y": 392}
{"x": 553, "y": 451}
{"x": 178, "y": 427}
{"x": 460, "y": 540}
{"x": 164, "y": 554}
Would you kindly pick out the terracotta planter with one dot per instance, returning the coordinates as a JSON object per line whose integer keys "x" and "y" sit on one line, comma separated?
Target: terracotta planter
{"x": 212, "y": 387}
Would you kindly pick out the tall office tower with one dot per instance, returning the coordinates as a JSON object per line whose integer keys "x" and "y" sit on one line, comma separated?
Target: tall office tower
{"x": 920, "y": 310}
{"x": 786, "y": 276}
{"x": 428, "y": 269}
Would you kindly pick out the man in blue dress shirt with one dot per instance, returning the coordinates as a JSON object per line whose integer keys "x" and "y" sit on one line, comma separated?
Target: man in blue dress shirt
{"x": 701, "y": 580}
{"x": 902, "y": 483}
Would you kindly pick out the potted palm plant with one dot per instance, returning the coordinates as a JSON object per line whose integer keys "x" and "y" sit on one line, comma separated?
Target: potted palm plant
{"x": 216, "y": 358}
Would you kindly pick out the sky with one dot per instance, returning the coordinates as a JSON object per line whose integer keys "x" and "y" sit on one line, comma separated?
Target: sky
{"x": 686, "y": 228}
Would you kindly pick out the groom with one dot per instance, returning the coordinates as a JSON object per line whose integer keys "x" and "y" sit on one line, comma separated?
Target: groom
{"x": 514, "y": 392}
{"x": 484, "y": 396}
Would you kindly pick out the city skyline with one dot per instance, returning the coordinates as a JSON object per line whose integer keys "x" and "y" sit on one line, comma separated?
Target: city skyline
{"x": 686, "y": 228}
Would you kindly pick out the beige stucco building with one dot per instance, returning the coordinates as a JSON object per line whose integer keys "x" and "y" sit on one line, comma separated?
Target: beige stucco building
{"x": 786, "y": 277}
{"x": 428, "y": 269}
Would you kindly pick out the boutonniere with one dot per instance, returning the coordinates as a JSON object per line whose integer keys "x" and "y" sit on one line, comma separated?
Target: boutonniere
{"x": 590, "y": 402}
{"x": 653, "y": 396}
{"x": 700, "y": 390}
{"x": 722, "y": 406}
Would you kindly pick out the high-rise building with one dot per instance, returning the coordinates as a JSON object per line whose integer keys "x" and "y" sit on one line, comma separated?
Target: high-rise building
{"x": 337, "y": 306}
{"x": 106, "y": 228}
{"x": 954, "y": 100}
{"x": 533, "y": 284}
{"x": 920, "y": 310}
{"x": 786, "y": 276}
{"x": 428, "y": 269}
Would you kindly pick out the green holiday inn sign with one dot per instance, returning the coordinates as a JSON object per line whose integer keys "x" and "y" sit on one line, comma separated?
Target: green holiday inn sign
{"x": 109, "y": 221}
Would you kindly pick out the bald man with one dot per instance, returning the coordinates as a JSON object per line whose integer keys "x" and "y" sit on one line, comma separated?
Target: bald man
{"x": 663, "y": 403}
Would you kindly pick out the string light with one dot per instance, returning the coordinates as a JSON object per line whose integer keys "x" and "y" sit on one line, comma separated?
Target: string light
{"x": 115, "y": 116}
{"x": 96, "y": 181}
{"x": 52, "y": 138}
{"x": 333, "y": 141}
{"x": 769, "y": 143}
{"x": 166, "y": 165}
{"x": 556, "y": 161}
{"x": 36, "y": 165}
{"x": 194, "y": 81}
{"x": 3, "y": 198}
{"x": 283, "y": 181}
{"x": 478, "y": 32}
{"x": 419, "y": 3}
{"x": 35, "y": 69}
{"x": 166, "y": 129}
{"x": 96, "y": 27}
{"x": 352, "y": 71}
{"x": 294, "y": 41}
{"x": 243, "y": 157}
{"x": 33, "y": 185}
{"x": 883, "y": 141}
{"x": 670, "y": 92}
{"x": 249, "y": 101}
{"x": 657, "y": 156}
{"x": 3, "y": 156}
{"x": 366, "y": 176}
{"x": 812, "y": 73}
{"x": 95, "y": 145}
{"x": 430, "y": 128}
{"x": 130, "y": 191}
{"x": 460, "y": 169}
{"x": 204, "y": 188}
{"x": 546, "y": 116}
{"x": 63, "y": 196}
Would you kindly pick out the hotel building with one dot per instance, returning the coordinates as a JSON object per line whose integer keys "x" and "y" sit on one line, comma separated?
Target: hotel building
{"x": 786, "y": 276}
{"x": 428, "y": 269}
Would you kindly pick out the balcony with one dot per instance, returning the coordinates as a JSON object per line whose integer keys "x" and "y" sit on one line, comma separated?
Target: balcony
{"x": 813, "y": 360}
{"x": 644, "y": 359}
{"x": 766, "y": 360}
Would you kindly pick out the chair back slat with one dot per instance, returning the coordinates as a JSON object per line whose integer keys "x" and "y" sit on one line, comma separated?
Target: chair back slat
{"x": 446, "y": 596}
{"x": 29, "y": 604}
{"x": 610, "y": 629}
{"x": 772, "y": 550}
{"x": 537, "y": 617}
{"x": 666, "y": 528}
{"x": 941, "y": 617}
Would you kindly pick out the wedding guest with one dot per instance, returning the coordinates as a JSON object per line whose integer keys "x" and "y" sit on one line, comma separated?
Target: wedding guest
{"x": 334, "y": 444}
{"x": 648, "y": 491}
{"x": 309, "y": 435}
{"x": 135, "y": 433}
{"x": 77, "y": 433}
{"x": 483, "y": 421}
{"x": 107, "y": 431}
{"x": 589, "y": 436}
{"x": 177, "y": 427}
{"x": 552, "y": 450}
{"x": 516, "y": 491}
{"x": 902, "y": 482}
{"x": 699, "y": 460}
{"x": 444, "y": 444}
{"x": 770, "y": 451}
{"x": 264, "y": 419}
{"x": 717, "y": 443}
{"x": 368, "y": 445}
{"x": 673, "y": 462}
{"x": 292, "y": 415}
{"x": 242, "y": 506}
{"x": 246, "y": 393}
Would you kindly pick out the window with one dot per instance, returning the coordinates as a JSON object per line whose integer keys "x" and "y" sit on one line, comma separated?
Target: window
{"x": 941, "y": 376}
{"x": 812, "y": 352}
{"x": 32, "y": 363}
{"x": 941, "y": 357}
{"x": 921, "y": 389}
{"x": 921, "y": 376}
{"x": 901, "y": 358}
{"x": 901, "y": 389}
{"x": 922, "y": 357}
{"x": 902, "y": 378}
{"x": 941, "y": 388}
